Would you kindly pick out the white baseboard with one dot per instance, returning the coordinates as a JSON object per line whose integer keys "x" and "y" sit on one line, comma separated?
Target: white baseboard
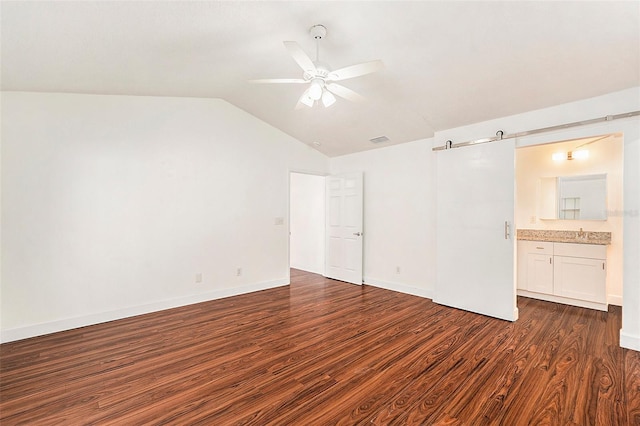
{"x": 400, "y": 288}
{"x": 563, "y": 300}
{"x": 629, "y": 341}
{"x": 83, "y": 321}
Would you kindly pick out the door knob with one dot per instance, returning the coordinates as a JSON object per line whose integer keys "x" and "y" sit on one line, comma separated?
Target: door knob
{"x": 357, "y": 234}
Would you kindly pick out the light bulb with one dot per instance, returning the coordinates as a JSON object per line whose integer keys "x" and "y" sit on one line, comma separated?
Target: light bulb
{"x": 328, "y": 99}
{"x": 559, "y": 156}
{"x": 581, "y": 154}
{"x": 315, "y": 90}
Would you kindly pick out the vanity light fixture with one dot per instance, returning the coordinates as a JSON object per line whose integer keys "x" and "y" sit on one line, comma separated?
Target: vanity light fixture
{"x": 581, "y": 154}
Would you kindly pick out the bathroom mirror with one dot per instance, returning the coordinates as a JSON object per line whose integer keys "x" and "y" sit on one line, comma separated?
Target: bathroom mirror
{"x": 582, "y": 197}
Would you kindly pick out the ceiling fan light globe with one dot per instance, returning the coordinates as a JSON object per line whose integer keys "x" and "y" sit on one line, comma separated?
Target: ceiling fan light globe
{"x": 306, "y": 100}
{"x": 328, "y": 99}
{"x": 315, "y": 90}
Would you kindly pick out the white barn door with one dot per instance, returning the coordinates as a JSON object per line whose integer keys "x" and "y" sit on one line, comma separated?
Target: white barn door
{"x": 343, "y": 245}
{"x": 475, "y": 235}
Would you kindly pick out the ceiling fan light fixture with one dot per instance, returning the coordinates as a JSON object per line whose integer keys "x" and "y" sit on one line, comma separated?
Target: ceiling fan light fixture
{"x": 320, "y": 77}
{"x": 328, "y": 99}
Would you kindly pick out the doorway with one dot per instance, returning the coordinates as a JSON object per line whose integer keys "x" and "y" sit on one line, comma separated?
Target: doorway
{"x": 538, "y": 204}
{"x": 307, "y": 222}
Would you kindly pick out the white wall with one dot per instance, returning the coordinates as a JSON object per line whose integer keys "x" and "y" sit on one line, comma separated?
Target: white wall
{"x": 399, "y": 215}
{"x": 306, "y": 222}
{"x": 605, "y": 156}
{"x": 610, "y": 104}
{"x": 112, "y": 204}
{"x": 1, "y": 218}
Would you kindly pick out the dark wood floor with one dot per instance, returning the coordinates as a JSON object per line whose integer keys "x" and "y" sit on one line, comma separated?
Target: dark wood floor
{"x": 323, "y": 352}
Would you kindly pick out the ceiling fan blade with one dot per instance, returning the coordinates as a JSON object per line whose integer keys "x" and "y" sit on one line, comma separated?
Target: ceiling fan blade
{"x": 355, "y": 70}
{"x": 344, "y": 92}
{"x": 299, "y": 56}
{"x": 279, "y": 80}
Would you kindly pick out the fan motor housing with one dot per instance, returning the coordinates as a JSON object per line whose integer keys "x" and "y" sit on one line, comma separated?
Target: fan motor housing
{"x": 318, "y": 32}
{"x": 322, "y": 71}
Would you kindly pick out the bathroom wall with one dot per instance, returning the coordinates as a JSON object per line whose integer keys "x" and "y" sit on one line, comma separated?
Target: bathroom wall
{"x": 605, "y": 156}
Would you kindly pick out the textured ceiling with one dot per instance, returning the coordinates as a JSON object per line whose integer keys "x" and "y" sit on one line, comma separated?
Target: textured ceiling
{"x": 447, "y": 64}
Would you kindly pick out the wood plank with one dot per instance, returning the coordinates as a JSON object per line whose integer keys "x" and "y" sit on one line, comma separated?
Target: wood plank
{"x": 324, "y": 352}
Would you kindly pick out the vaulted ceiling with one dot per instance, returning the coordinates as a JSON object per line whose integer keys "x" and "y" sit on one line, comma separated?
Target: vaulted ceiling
{"x": 447, "y": 64}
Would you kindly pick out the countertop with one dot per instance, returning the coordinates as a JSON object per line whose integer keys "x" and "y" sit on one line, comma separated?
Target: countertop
{"x": 576, "y": 237}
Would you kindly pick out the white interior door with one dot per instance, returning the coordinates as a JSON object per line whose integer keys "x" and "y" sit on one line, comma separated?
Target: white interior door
{"x": 343, "y": 234}
{"x": 475, "y": 248}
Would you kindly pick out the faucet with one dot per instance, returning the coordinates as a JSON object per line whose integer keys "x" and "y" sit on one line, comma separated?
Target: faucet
{"x": 581, "y": 234}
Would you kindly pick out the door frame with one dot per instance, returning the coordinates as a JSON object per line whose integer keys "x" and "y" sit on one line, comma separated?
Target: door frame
{"x": 630, "y": 331}
{"x": 288, "y": 218}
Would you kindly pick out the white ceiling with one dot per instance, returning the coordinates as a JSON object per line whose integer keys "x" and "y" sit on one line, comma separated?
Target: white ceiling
{"x": 447, "y": 64}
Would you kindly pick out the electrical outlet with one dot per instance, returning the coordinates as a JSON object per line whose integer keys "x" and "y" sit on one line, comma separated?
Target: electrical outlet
{"x": 198, "y": 277}
{"x": 238, "y": 272}
{"x": 532, "y": 220}
{"x": 397, "y": 269}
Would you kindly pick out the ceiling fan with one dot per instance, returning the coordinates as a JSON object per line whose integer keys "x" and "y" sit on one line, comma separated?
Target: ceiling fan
{"x": 320, "y": 78}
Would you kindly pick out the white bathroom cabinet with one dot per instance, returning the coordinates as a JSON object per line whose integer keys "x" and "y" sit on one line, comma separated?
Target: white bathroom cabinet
{"x": 535, "y": 266}
{"x": 573, "y": 274}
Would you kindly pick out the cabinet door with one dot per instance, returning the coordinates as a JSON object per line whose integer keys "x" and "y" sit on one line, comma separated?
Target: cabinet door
{"x": 540, "y": 273}
{"x": 580, "y": 278}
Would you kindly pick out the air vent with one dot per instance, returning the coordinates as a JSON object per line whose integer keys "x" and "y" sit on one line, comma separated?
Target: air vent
{"x": 379, "y": 139}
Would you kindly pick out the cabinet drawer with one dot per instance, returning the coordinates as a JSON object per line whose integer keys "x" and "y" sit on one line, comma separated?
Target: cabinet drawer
{"x": 536, "y": 247}
{"x": 589, "y": 251}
